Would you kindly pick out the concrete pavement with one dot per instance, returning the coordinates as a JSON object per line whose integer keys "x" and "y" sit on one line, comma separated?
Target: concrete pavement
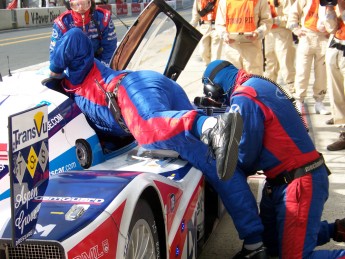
{"x": 224, "y": 242}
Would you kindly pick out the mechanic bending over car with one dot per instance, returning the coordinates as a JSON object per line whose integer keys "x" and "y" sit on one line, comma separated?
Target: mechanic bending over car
{"x": 167, "y": 121}
{"x": 94, "y": 21}
{"x": 275, "y": 141}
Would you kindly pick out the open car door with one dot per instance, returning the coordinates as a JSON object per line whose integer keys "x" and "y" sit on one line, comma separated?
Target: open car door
{"x": 159, "y": 31}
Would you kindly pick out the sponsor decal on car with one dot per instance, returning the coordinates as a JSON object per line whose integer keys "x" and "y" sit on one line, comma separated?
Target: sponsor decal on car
{"x": 74, "y": 200}
{"x": 29, "y": 169}
{"x": 97, "y": 251}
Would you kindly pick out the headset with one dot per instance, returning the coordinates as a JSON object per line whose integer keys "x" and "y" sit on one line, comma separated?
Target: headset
{"x": 211, "y": 89}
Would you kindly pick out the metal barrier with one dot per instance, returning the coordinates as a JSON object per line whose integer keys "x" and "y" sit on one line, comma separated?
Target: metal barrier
{"x": 34, "y": 17}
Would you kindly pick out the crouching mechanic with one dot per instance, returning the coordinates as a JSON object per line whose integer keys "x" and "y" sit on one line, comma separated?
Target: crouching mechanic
{"x": 275, "y": 141}
{"x": 167, "y": 121}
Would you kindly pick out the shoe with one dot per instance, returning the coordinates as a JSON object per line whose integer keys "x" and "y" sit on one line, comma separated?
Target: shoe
{"x": 320, "y": 109}
{"x": 339, "y": 144}
{"x": 223, "y": 140}
{"x": 260, "y": 253}
{"x": 330, "y": 121}
{"x": 339, "y": 230}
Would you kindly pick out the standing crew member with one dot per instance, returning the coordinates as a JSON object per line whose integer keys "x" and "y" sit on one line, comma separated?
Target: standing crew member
{"x": 304, "y": 22}
{"x": 94, "y": 21}
{"x": 279, "y": 46}
{"x": 204, "y": 14}
{"x": 253, "y": 19}
{"x": 335, "y": 67}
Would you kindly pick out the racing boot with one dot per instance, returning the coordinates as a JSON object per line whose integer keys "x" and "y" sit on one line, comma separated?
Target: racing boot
{"x": 339, "y": 230}
{"x": 259, "y": 253}
{"x": 223, "y": 140}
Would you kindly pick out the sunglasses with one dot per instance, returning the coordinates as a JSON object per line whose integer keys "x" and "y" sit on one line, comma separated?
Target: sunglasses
{"x": 77, "y": 5}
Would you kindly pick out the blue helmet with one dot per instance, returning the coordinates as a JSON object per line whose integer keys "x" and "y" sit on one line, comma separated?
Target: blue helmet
{"x": 219, "y": 79}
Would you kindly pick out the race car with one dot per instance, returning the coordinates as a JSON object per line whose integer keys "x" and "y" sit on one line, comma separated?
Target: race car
{"x": 66, "y": 192}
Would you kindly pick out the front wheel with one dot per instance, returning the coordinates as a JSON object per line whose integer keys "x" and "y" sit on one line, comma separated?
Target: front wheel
{"x": 143, "y": 241}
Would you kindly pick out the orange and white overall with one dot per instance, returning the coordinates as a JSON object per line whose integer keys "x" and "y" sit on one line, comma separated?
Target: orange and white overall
{"x": 279, "y": 46}
{"x": 335, "y": 63}
{"x": 311, "y": 49}
{"x": 244, "y": 16}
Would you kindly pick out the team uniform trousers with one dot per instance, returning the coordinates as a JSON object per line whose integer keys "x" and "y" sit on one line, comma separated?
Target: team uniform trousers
{"x": 335, "y": 61}
{"x": 291, "y": 215}
{"x": 311, "y": 50}
{"x": 245, "y": 55}
{"x": 210, "y": 45}
{"x": 275, "y": 141}
{"x": 280, "y": 56}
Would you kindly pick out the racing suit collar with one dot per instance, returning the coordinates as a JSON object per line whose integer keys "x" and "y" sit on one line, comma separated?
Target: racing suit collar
{"x": 80, "y": 20}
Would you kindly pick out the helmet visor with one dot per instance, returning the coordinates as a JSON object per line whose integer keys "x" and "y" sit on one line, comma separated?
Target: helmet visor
{"x": 80, "y": 5}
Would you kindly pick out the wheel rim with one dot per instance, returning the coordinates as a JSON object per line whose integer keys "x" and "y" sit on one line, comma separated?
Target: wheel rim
{"x": 141, "y": 242}
{"x": 84, "y": 153}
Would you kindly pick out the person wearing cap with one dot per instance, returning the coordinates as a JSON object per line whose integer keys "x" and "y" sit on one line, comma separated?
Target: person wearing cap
{"x": 276, "y": 142}
{"x": 204, "y": 13}
{"x": 304, "y": 21}
{"x": 243, "y": 25}
{"x": 94, "y": 21}
{"x": 167, "y": 121}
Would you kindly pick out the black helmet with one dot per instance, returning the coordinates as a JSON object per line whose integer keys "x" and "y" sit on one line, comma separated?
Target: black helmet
{"x": 212, "y": 89}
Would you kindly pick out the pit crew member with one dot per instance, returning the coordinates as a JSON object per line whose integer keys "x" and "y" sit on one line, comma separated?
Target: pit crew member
{"x": 94, "y": 21}
{"x": 276, "y": 142}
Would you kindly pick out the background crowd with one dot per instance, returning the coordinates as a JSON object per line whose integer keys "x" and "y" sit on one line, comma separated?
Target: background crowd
{"x": 285, "y": 41}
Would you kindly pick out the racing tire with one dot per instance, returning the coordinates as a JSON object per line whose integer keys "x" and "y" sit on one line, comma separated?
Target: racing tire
{"x": 84, "y": 153}
{"x": 143, "y": 237}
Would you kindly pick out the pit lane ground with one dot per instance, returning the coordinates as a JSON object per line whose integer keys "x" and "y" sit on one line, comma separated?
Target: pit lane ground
{"x": 225, "y": 242}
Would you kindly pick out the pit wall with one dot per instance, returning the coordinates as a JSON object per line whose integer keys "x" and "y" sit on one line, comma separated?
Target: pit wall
{"x": 35, "y": 17}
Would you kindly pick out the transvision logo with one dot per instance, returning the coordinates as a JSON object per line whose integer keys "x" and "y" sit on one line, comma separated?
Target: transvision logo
{"x": 27, "y": 136}
{"x": 38, "y": 120}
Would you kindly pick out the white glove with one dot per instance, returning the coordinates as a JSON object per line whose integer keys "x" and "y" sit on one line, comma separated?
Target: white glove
{"x": 226, "y": 37}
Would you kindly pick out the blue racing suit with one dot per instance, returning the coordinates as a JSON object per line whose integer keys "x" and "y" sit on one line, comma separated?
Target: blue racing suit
{"x": 275, "y": 141}
{"x": 155, "y": 108}
{"x": 98, "y": 26}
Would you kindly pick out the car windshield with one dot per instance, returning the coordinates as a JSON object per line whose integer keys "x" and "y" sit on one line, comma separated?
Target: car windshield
{"x": 160, "y": 39}
{"x": 155, "y": 48}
